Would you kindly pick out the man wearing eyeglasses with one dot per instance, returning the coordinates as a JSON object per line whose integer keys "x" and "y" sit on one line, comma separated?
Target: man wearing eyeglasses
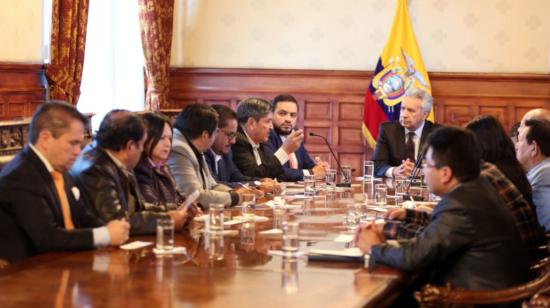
{"x": 220, "y": 158}
{"x": 471, "y": 240}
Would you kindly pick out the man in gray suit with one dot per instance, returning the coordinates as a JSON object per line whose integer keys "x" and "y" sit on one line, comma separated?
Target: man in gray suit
{"x": 195, "y": 130}
{"x": 533, "y": 152}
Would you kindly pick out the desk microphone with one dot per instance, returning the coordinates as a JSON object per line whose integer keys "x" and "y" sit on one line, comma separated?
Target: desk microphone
{"x": 336, "y": 159}
{"x": 417, "y": 167}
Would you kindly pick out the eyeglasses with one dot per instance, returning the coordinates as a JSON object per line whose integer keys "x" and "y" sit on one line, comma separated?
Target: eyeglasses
{"x": 426, "y": 165}
{"x": 230, "y": 135}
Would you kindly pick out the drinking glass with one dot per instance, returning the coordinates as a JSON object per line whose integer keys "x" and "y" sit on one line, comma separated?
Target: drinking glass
{"x": 353, "y": 216}
{"x": 330, "y": 180}
{"x": 346, "y": 174}
{"x": 165, "y": 234}
{"x": 290, "y": 236}
{"x": 309, "y": 185}
{"x": 368, "y": 170}
{"x": 216, "y": 218}
{"x": 380, "y": 193}
{"x": 248, "y": 204}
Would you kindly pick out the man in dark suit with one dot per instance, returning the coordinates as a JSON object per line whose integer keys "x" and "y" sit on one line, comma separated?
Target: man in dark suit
{"x": 399, "y": 144}
{"x": 40, "y": 209}
{"x": 220, "y": 159}
{"x": 255, "y": 118}
{"x": 104, "y": 174}
{"x": 460, "y": 245}
{"x": 285, "y": 114}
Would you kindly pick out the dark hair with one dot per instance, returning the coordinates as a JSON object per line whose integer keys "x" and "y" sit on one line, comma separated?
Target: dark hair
{"x": 456, "y": 148}
{"x": 539, "y": 131}
{"x": 514, "y": 130}
{"x": 55, "y": 117}
{"x": 253, "y": 107}
{"x": 155, "y": 128}
{"x": 497, "y": 148}
{"x": 119, "y": 127}
{"x": 225, "y": 113}
{"x": 284, "y": 98}
{"x": 195, "y": 119}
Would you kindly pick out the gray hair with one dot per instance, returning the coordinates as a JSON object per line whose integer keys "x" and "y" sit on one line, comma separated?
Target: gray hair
{"x": 425, "y": 97}
{"x": 252, "y": 107}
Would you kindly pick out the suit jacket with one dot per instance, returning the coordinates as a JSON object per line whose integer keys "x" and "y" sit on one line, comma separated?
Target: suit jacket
{"x": 390, "y": 145}
{"x": 539, "y": 177}
{"x": 304, "y": 160}
{"x": 243, "y": 157}
{"x": 228, "y": 174}
{"x": 31, "y": 221}
{"x": 187, "y": 172}
{"x": 157, "y": 185}
{"x": 461, "y": 245}
{"x": 111, "y": 192}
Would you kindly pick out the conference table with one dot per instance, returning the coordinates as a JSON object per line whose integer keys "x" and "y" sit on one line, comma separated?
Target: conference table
{"x": 243, "y": 267}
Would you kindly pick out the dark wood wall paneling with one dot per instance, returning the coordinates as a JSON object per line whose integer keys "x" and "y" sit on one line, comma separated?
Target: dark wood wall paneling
{"x": 331, "y": 102}
{"x": 22, "y": 89}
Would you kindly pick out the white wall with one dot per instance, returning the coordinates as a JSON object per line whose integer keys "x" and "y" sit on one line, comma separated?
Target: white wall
{"x": 454, "y": 35}
{"x": 21, "y": 31}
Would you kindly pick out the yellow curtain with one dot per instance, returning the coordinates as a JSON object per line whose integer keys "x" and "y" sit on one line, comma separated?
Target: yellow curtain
{"x": 156, "y": 35}
{"x": 64, "y": 73}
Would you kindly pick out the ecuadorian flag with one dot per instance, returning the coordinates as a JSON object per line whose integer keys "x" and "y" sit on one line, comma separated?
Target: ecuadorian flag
{"x": 399, "y": 68}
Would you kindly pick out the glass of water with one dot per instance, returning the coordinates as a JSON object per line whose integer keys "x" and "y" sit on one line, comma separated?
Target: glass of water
{"x": 346, "y": 174}
{"x": 380, "y": 193}
{"x": 309, "y": 185}
{"x": 216, "y": 218}
{"x": 165, "y": 234}
{"x": 330, "y": 180}
{"x": 368, "y": 170}
{"x": 290, "y": 237}
{"x": 354, "y": 212}
{"x": 248, "y": 204}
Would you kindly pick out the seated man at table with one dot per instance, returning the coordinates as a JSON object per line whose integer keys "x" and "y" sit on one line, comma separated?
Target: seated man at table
{"x": 460, "y": 245}
{"x": 104, "y": 174}
{"x": 285, "y": 114}
{"x": 220, "y": 159}
{"x": 195, "y": 130}
{"x": 533, "y": 152}
{"x": 255, "y": 119}
{"x": 399, "y": 143}
{"x": 40, "y": 209}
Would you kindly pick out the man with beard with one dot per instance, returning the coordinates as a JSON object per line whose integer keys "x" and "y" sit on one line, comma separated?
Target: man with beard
{"x": 285, "y": 114}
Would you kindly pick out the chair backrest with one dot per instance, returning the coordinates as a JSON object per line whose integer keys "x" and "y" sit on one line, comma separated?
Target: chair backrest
{"x": 431, "y": 296}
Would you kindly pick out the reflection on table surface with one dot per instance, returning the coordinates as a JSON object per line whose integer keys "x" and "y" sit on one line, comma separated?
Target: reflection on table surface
{"x": 233, "y": 269}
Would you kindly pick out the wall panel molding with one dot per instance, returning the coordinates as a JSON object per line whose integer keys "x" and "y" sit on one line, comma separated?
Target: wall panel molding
{"x": 331, "y": 102}
{"x": 22, "y": 89}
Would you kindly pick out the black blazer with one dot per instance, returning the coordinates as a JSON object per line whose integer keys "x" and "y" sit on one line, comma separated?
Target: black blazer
{"x": 228, "y": 174}
{"x": 471, "y": 241}
{"x": 304, "y": 160}
{"x": 31, "y": 221}
{"x": 106, "y": 189}
{"x": 243, "y": 157}
{"x": 390, "y": 145}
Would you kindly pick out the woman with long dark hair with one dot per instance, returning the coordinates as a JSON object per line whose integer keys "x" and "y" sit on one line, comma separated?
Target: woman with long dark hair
{"x": 497, "y": 148}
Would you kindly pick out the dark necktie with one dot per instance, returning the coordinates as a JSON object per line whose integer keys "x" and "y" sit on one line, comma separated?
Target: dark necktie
{"x": 409, "y": 146}
{"x": 222, "y": 176}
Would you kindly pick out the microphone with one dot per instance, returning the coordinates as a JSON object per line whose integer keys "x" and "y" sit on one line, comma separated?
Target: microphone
{"x": 336, "y": 159}
{"x": 417, "y": 167}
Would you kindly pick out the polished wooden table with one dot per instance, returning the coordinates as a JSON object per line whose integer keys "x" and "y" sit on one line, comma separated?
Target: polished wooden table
{"x": 234, "y": 270}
